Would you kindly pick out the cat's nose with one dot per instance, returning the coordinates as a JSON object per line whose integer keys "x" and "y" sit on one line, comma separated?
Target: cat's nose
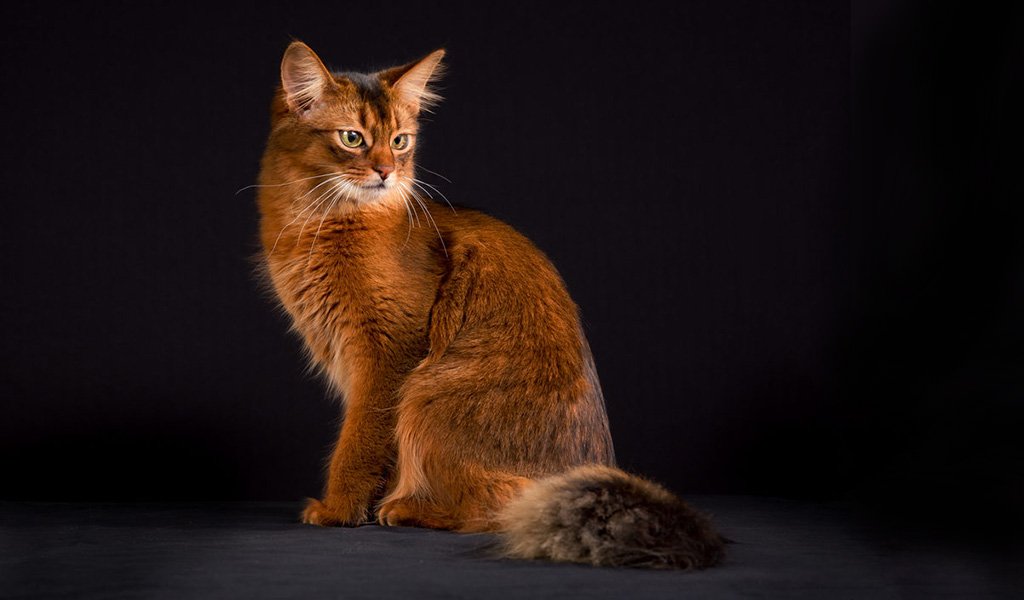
{"x": 384, "y": 170}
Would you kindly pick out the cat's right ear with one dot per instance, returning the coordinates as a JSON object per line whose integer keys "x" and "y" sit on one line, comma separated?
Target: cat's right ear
{"x": 304, "y": 77}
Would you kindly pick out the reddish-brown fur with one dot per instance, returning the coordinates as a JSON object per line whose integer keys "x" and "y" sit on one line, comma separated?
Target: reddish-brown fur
{"x": 451, "y": 338}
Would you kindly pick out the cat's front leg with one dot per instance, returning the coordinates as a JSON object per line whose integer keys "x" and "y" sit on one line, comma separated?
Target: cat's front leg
{"x": 359, "y": 466}
{"x": 318, "y": 513}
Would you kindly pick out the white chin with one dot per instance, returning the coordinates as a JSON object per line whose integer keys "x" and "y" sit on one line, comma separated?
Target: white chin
{"x": 366, "y": 194}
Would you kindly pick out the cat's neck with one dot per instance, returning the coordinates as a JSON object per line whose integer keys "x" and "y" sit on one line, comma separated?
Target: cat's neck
{"x": 302, "y": 214}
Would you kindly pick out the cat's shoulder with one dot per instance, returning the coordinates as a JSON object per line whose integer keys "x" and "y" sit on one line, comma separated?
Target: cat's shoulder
{"x": 475, "y": 227}
{"x": 483, "y": 239}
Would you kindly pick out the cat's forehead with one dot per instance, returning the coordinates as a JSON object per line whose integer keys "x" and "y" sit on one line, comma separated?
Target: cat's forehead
{"x": 368, "y": 101}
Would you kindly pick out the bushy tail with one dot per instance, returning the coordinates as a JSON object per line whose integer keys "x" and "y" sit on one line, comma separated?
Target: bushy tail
{"x": 602, "y": 516}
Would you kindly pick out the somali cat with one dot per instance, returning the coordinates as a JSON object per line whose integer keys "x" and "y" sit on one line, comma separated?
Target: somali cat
{"x": 471, "y": 401}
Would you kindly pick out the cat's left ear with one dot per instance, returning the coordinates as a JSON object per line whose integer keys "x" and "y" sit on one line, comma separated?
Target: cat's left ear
{"x": 304, "y": 77}
{"x": 411, "y": 82}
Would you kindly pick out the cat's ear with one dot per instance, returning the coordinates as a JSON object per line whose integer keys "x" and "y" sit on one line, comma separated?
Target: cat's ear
{"x": 411, "y": 82}
{"x": 303, "y": 77}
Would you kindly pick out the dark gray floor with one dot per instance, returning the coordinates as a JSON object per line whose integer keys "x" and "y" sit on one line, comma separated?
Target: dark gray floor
{"x": 783, "y": 549}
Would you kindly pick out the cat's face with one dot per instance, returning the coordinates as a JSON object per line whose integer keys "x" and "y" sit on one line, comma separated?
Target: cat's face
{"x": 358, "y": 131}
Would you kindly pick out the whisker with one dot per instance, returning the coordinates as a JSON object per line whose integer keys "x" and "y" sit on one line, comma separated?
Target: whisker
{"x": 416, "y": 183}
{"x": 436, "y": 190}
{"x": 249, "y": 187}
{"x": 321, "y": 199}
{"x": 314, "y": 188}
{"x": 337, "y": 196}
{"x": 408, "y": 214}
{"x": 405, "y": 201}
{"x": 408, "y": 191}
{"x": 430, "y": 217}
{"x": 434, "y": 173}
{"x": 311, "y": 206}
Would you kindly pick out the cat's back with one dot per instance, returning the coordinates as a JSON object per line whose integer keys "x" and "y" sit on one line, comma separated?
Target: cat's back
{"x": 517, "y": 293}
{"x": 520, "y": 355}
{"x": 501, "y": 249}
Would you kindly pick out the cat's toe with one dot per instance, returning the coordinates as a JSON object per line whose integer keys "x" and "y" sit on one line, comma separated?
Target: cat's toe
{"x": 313, "y": 513}
{"x": 325, "y": 515}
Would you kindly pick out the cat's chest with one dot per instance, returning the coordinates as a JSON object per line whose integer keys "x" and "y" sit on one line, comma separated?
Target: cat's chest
{"x": 354, "y": 292}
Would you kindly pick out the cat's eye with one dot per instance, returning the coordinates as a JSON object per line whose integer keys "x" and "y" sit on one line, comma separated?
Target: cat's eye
{"x": 351, "y": 139}
{"x": 400, "y": 142}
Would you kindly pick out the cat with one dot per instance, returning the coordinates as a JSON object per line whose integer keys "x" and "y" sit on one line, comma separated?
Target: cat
{"x": 470, "y": 397}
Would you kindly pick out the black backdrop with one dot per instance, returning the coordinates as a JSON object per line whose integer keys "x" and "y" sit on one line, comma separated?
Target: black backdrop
{"x": 793, "y": 231}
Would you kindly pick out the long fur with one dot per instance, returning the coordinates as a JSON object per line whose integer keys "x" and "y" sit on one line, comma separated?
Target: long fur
{"x": 604, "y": 517}
{"x": 471, "y": 398}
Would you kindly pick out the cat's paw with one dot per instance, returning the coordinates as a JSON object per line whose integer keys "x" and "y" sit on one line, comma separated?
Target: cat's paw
{"x": 406, "y": 512}
{"x": 328, "y": 515}
{"x": 396, "y": 513}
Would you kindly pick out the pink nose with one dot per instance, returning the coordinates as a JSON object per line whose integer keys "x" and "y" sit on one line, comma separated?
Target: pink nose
{"x": 384, "y": 170}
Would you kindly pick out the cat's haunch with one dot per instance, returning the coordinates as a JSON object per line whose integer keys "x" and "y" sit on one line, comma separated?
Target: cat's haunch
{"x": 470, "y": 394}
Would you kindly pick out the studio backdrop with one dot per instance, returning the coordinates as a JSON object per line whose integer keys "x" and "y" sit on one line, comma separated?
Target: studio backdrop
{"x": 788, "y": 228}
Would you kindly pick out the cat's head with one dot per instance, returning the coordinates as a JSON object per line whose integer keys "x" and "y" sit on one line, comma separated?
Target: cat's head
{"x": 356, "y": 130}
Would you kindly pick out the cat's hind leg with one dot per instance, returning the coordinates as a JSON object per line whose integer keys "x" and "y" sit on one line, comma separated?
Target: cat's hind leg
{"x": 465, "y": 498}
{"x": 445, "y": 478}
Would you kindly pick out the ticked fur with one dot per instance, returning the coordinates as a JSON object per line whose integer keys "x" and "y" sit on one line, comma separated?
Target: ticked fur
{"x": 471, "y": 398}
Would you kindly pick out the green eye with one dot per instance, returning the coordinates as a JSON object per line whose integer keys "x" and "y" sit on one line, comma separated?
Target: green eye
{"x": 351, "y": 139}
{"x": 400, "y": 142}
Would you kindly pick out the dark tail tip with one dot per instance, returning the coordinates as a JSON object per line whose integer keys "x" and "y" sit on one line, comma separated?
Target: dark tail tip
{"x": 602, "y": 516}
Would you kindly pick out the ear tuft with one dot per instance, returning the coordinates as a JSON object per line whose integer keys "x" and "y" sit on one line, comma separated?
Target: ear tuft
{"x": 303, "y": 77}
{"x": 412, "y": 82}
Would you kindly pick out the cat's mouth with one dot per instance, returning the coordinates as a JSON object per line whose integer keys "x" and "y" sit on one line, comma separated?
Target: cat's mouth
{"x": 371, "y": 189}
{"x": 371, "y": 192}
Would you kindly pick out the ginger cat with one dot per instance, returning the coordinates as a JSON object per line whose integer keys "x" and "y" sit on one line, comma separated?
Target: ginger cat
{"x": 470, "y": 395}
